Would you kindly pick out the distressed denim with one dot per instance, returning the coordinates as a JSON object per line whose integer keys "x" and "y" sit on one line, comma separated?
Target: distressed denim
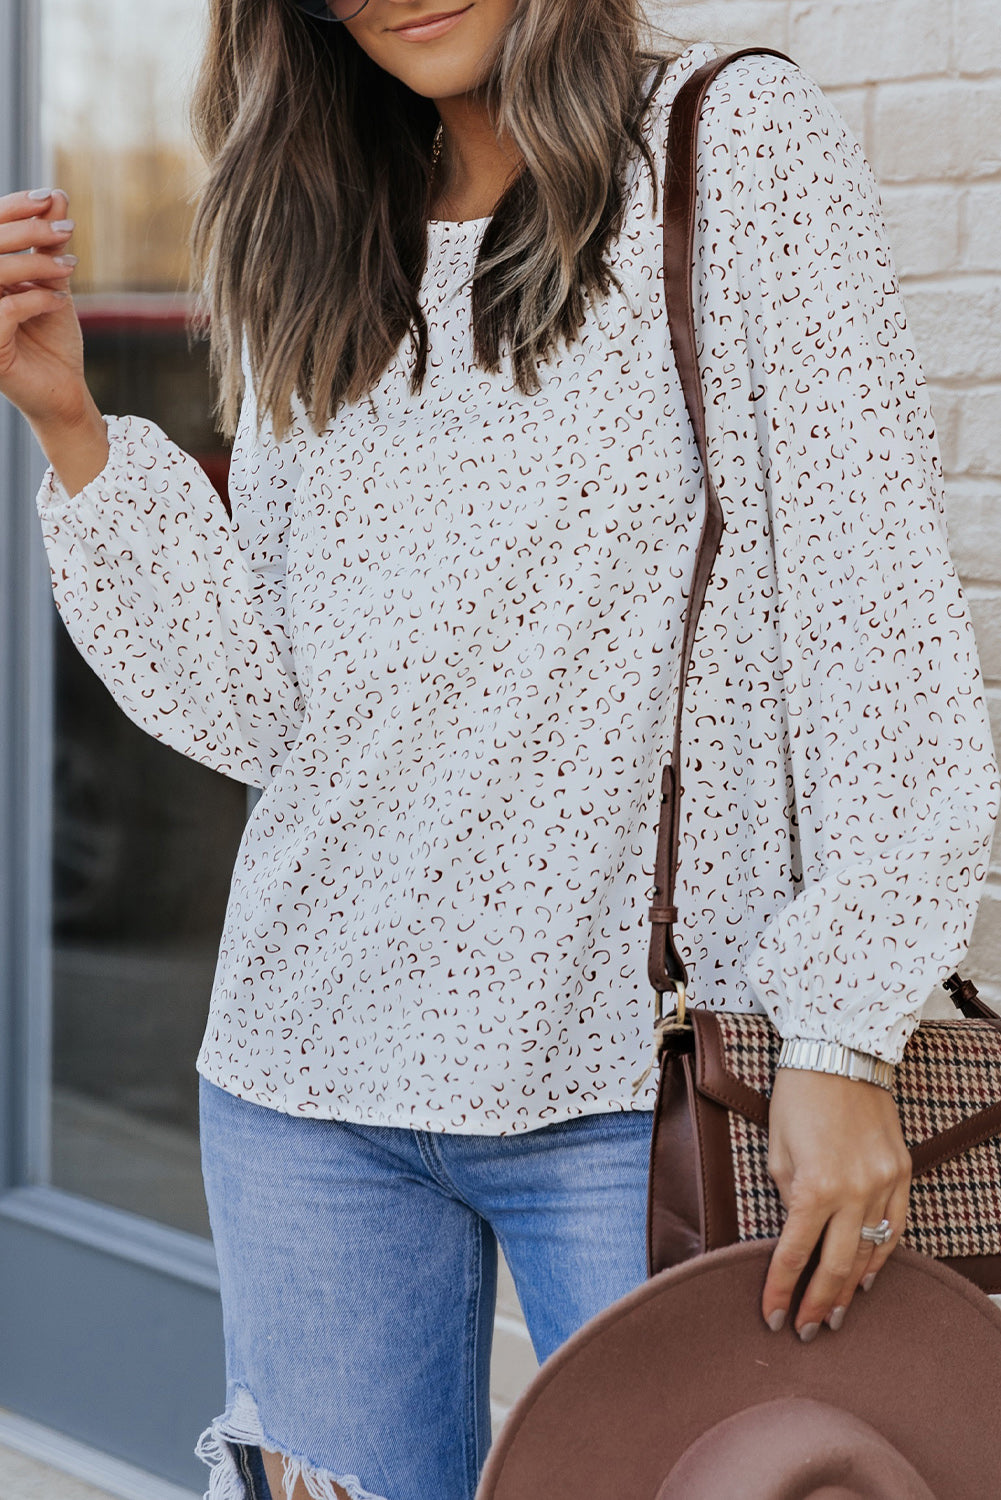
{"x": 358, "y": 1270}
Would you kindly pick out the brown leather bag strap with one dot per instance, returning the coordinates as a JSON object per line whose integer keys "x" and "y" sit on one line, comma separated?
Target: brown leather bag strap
{"x": 665, "y": 968}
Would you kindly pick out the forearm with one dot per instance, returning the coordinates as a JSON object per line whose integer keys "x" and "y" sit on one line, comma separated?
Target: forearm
{"x": 158, "y": 597}
{"x": 77, "y": 447}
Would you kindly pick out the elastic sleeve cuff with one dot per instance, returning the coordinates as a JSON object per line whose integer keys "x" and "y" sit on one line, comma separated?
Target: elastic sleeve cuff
{"x": 53, "y": 498}
{"x": 884, "y": 1038}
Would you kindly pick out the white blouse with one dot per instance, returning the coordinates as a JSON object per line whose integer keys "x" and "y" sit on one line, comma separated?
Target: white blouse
{"x": 442, "y": 636}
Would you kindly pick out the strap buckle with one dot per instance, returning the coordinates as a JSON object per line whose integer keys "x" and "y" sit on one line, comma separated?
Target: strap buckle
{"x": 663, "y": 1025}
{"x": 677, "y": 1017}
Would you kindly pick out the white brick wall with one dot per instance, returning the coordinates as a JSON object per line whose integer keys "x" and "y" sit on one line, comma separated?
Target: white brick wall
{"x": 919, "y": 82}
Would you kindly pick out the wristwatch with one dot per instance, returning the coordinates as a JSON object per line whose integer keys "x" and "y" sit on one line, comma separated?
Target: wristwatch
{"x": 834, "y": 1057}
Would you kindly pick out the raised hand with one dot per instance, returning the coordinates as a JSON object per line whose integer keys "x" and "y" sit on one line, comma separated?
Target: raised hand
{"x": 41, "y": 348}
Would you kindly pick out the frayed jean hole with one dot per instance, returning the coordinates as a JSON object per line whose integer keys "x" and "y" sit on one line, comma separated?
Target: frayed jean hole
{"x": 319, "y": 1484}
{"x": 221, "y": 1446}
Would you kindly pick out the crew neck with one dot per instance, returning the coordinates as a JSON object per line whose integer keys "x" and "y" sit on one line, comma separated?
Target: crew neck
{"x": 458, "y": 223}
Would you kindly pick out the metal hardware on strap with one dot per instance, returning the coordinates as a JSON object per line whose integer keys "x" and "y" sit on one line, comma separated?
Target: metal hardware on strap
{"x": 679, "y": 1009}
{"x": 663, "y": 1026}
{"x": 960, "y": 988}
{"x": 665, "y": 967}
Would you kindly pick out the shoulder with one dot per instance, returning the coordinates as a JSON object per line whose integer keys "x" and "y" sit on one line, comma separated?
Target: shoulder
{"x": 768, "y": 116}
{"x": 662, "y": 91}
{"x": 758, "y": 103}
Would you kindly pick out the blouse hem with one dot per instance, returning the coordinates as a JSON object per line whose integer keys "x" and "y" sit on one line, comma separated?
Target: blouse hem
{"x": 643, "y": 1104}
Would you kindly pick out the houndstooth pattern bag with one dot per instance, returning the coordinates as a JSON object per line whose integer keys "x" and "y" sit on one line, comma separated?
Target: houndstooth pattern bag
{"x": 946, "y": 1082}
{"x": 709, "y": 1181}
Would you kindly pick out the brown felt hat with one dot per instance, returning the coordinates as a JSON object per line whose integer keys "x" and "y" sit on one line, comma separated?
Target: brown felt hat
{"x": 679, "y": 1391}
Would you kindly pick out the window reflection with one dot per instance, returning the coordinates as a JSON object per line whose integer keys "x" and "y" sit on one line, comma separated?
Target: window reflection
{"x": 143, "y": 839}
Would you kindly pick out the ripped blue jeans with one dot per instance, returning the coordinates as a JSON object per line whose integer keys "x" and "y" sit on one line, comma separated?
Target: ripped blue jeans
{"x": 358, "y": 1270}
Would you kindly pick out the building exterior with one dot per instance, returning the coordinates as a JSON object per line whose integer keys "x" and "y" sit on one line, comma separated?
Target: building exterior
{"x": 115, "y": 852}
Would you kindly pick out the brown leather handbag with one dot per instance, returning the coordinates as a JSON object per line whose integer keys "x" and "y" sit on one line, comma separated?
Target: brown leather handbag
{"x": 709, "y": 1180}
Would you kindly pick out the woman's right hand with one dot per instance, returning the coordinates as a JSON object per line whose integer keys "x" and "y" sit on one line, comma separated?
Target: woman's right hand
{"x": 41, "y": 347}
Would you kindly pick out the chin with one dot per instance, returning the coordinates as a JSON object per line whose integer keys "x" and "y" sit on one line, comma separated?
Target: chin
{"x": 438, "y": 79}
{"x": 442, "y": 68}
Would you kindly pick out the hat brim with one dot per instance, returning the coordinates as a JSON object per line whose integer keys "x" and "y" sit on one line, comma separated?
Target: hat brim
{"x": 611, "y": 1410}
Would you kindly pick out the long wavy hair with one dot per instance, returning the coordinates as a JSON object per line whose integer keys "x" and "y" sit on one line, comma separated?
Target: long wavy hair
{"x": 309, "y": 235}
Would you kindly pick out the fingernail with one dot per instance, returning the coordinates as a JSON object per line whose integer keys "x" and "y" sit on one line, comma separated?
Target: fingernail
{"x": 60, "y": 224}
{"x": 867, "y": 1281}
{"x": 837, "y": 1318}
{"x": 65, "y": 260}
{"x": 777, "y": 1319}
{"x": 809, "y": 1332}
{"x": 39, "y": 194}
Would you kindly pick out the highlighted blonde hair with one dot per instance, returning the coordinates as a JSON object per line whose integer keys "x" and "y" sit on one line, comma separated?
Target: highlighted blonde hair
{"x": 309, "y": 236}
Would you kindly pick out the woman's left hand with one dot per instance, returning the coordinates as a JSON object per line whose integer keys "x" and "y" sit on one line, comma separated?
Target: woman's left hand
{"x": 837, "y": 1155}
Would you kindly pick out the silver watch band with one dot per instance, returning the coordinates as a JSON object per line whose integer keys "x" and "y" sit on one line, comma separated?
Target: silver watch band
{"x": 835, "y": 1057}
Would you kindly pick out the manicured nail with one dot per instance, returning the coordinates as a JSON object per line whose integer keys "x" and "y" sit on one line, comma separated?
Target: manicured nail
{"x": 809, "y": 1332}
{"x": 65, "y": 260}
{"x": 63, "y": 224}
{"x": 867, "y": 1281}
{"x": 40, "y": 194}
{"x": 837, "y": 1318}
{"x": 777, "y": 1319}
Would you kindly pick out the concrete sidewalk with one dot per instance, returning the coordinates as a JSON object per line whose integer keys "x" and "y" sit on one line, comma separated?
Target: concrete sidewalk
{"x": 38, "y": 1463}
{"x": 23, "y": 1478}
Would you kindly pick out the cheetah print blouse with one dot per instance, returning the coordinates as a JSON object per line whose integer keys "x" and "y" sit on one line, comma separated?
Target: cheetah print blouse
{"x": 442, "y": 636}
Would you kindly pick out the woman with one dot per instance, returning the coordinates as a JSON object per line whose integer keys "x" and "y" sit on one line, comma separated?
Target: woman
{"x": 438, "y": 632}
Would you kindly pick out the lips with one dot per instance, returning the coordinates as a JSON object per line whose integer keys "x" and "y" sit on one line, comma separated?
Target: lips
{"x": 438, "y": 15}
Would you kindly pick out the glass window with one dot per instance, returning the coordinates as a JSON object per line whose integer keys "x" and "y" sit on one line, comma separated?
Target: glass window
{"x": 143, "y": 839}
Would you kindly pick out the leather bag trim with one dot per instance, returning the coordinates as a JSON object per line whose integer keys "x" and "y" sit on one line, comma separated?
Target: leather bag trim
{"x": 714, "y": 1079}
{"x": 957, "y": 1139}
{"x": 715, "y": 1082}
{"x": 674, "y": 1211}
{"x": 717, "y": 1189}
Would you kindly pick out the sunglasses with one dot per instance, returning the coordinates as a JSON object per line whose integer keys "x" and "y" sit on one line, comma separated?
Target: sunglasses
{"x": 331, "y": 10}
